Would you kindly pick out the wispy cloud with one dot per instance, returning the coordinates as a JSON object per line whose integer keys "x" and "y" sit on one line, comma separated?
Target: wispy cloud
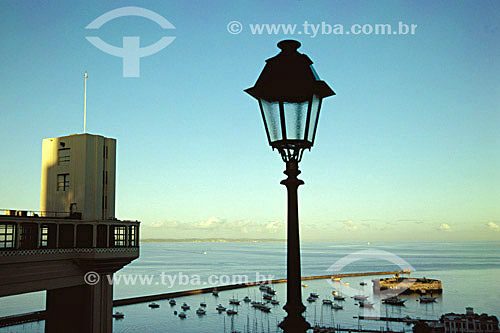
{"x": 493, "y": 226}
{"x": 410, "y": 221}
{"x": 350, "y": 226}
{"x": 444, "y": 227}
{"x": 214, "y": 226}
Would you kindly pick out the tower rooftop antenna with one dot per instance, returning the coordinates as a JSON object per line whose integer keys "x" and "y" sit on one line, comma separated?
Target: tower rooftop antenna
{"x": 85, "y": 76}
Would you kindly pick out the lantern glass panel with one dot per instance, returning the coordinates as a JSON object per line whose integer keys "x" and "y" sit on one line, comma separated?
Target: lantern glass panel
{"x": 295, "y": 120}
{"x": 271, "y": 112}
{"x": 316, "y": 104}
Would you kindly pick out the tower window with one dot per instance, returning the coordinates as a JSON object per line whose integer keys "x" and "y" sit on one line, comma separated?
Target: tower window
{"x": 44, "y": 235}
{"x": 63, "y": 182}
{"x": 119, "y": 236}
{"x": 7, "y": 233}
{"x": 63, "y": 156}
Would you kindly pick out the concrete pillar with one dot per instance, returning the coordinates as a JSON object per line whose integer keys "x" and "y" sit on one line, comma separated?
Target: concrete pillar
{"x": 107, "y": 235}
{"x": 75, "y": 230}
{"x": 127, "y": 238}
{"x": 18, "y": 236}
{"x": 80, "y": 309}
{"x": 94, "y": 236}
{"x": 57, "y": 235}
{"x": 137, "y": 236}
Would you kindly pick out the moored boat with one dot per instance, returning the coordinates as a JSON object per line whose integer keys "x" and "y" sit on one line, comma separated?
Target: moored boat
{"x": 394, "y": 300}
{"x": 427, "y": 299}
{"x": 234, "y": 301}
{"x": 118, "y": 315}
{"x": 271, "y": 291}
{"x": 360, "y": 297}
{"x": 364, "y": 304}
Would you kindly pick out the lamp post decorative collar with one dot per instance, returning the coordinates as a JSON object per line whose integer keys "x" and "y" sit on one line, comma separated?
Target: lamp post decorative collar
{"x": 290, "y": 92}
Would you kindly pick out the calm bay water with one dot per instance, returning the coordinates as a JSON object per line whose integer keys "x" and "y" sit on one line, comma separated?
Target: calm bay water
{"x": 469, "y": 271}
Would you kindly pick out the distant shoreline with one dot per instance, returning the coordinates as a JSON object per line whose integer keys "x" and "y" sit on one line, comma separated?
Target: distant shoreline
{"x": 210, "y": 240}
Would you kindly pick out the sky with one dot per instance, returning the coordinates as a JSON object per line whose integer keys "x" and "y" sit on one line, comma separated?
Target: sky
{"x": 408, "y": 149}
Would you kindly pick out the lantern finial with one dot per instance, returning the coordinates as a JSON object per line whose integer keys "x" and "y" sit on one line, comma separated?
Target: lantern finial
{"x": 289, "y": 45}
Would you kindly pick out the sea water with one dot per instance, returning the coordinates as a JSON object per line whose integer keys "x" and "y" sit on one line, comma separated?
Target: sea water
{"x": 469, "y": 272}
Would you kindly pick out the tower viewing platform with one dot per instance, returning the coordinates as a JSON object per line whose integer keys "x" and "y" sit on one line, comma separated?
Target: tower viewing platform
{"x": 74, "y": 244}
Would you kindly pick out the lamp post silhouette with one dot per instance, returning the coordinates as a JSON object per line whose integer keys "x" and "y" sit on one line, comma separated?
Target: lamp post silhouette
{"x": 290, "y": 93}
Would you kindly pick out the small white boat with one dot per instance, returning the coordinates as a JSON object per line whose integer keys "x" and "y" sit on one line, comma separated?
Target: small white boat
{"x": 327, "y": 301}
{"x": 247, "y": 299}
{"x": 203, "y": 304}
{"x": 364, "y": 304}
{"x": 339, "y": 298}
{"x": 362, "y": 283}
{"x": 215, "y": 292}
{"x": 201, "y": 312}
{"x": 172, "y": 302}
{"x": 313, "y": 295}
{"x": 337, "y": 307}
{"x": 394, "y": 300}
{"x": 182, "y": 315}
{"x": 264, "y": 308}
{"x": 427, "y": 299}
{"x": 360, "y": 297}
{"x": 234, "y": 301}
{"x": 231, "y": 312}
{"x": 185, "y": 307}
{"x": 154, "y": 305}
{"x": 261, "y": 306}
{"x": 267, "y": 297}
{"x": 275, "y": 302}
{"x": 271, "y": 291}
{"x": 263, "y": 287}
{"x": 220, "y": 308}
{"x": 118, "y": 315}
{"x": 311, "y": 299}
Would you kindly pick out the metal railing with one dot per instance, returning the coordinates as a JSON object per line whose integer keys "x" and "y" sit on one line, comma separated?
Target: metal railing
{"x": 42, "y": 214}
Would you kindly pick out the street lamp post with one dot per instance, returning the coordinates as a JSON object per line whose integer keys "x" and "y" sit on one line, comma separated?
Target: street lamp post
{"x": 290, "y": 93}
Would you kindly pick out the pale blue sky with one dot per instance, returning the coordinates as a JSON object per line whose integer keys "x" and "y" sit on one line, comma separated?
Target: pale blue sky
{"x": 409, "y": 148}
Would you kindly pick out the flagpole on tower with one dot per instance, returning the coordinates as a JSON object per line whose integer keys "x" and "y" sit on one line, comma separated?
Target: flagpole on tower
{"x": 85, "y": 103}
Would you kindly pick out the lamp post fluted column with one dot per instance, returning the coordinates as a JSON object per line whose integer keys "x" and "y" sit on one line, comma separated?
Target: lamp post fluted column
{"x": 294, "y": 321}
{"x": 290, "y": 95}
